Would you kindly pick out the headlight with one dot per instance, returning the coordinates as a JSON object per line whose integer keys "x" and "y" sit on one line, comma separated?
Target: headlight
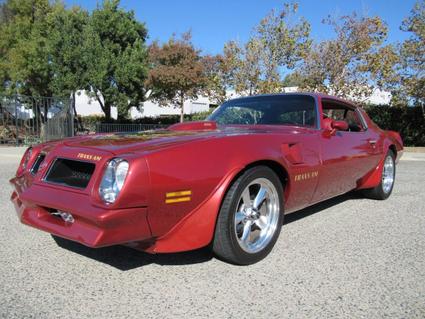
{"x": 113, "y": 180}
{"x": 25, "y": 160}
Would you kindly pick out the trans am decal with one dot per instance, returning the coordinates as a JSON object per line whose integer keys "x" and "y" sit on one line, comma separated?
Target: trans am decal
{"x": 89, "y": 157}
{"x": 305, "y": 176}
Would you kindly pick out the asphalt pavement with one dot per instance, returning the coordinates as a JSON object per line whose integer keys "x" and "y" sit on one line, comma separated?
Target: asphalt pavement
{"x": 348, "y": 257}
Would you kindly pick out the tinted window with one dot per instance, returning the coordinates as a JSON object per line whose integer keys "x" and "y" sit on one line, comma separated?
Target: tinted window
{"x": 270, "y": 110}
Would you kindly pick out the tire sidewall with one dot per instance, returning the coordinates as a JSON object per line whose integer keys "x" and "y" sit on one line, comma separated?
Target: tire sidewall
{"x": 246, "y": 179}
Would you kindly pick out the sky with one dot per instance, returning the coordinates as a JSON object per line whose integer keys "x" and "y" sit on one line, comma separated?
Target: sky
{"x": 215, "y": 22}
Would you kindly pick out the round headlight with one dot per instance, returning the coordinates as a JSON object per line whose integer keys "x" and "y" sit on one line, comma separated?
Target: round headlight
{"x": 113, "y": 179}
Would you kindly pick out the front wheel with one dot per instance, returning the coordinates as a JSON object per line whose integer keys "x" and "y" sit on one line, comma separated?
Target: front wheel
{"x": 385, "y": 187}
{"x": 250, "y": 217}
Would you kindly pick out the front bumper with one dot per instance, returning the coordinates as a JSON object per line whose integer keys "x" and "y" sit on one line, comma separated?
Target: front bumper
{"x": 93, "y": 226}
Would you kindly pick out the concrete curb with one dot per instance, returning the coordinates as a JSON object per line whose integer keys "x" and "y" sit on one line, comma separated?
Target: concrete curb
{"x": 417, "y": 149}
{"x": 412, "y": 156}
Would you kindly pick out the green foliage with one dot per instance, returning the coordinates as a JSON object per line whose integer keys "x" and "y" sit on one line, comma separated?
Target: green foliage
{"x": 116, "y": 58}
{"x": 67, "y": 51}
{"x": 408, "y": 121}
{"x": 24, "y": 47}
{"x": 46, "y": 49}
{"x": 413, "y": 55}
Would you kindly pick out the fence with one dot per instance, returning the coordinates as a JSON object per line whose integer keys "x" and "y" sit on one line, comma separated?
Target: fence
{"x": 29, "y": 120}
{"x": 131, "y": 127}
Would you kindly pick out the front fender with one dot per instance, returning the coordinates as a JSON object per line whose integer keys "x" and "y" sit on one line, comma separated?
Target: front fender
{"x": 197, "y": 228}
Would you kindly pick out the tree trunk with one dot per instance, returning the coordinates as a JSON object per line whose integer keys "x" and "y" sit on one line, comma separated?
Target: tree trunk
{"x": 105, "y": 106}
{"x": 77, "y": 119}
{"x": 181, "y": 108}
{"x": 107, "y": 111}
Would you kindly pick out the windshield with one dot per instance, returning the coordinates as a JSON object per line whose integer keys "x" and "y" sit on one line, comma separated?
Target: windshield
{"x": 296, "y": 110}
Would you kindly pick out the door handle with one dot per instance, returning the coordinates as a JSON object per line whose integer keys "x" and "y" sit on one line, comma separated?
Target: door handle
{"x": 372, "y": 143}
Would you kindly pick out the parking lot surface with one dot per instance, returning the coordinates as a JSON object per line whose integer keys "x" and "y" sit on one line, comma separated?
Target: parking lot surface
{"x": 348, "y": 257}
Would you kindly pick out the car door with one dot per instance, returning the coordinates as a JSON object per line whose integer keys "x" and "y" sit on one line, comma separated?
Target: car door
{"x": 345, "y": 155}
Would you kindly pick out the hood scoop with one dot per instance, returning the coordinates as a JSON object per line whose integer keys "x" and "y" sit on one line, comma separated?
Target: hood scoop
{"x": 194, "y": 126}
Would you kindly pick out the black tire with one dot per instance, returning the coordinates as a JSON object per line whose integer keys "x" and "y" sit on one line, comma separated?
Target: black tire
{"x": 225, "y": 243}
{"x": 379, "y": 192}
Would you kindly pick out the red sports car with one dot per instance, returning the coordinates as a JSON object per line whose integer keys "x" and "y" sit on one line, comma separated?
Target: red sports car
{"x": 226, "y": 182}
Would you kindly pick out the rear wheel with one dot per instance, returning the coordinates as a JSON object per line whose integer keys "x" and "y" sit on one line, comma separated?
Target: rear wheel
{"x": 385, "y": 187}
{"x": 250, "y": 217}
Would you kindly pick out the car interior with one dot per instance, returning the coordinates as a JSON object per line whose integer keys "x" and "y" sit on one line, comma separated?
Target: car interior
{"x": 334, "y": 111}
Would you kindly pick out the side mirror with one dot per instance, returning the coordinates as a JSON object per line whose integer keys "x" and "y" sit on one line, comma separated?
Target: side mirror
{"x": 340, "y": 125}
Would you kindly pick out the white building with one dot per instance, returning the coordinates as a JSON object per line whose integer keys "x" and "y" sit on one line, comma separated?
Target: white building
{"x": 86, "y": 106}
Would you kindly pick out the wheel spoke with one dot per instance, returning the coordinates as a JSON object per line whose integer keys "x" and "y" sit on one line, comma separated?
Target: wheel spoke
{"x": 246, "y": 198}
{"x": 257, "y": 214}
{"x": 259, "y": 199}
{"x": 246, "y": 231}
{"x": 261, "y": 222}
{"x": 239, "y": 218}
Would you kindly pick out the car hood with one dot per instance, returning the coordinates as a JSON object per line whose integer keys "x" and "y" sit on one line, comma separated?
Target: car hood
{"x": 119, "y": 143}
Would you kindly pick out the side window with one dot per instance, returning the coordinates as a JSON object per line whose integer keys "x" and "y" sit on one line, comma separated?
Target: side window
{"x": 301, "y": 117}
{"x": 341, "y": 112}
{"x": 334, "y": 114}
{"x": 354, "y": 123}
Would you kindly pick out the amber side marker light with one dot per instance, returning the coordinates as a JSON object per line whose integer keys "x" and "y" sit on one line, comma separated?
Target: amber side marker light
{"x": 178, "y": 197}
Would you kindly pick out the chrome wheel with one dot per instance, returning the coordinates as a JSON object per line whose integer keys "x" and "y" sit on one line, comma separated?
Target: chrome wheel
{"x": 257, "y": 215}
{"x": 388, "y": 174}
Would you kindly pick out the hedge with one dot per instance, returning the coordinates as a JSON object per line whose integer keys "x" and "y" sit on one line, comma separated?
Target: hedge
{"x": 408, "y": 121}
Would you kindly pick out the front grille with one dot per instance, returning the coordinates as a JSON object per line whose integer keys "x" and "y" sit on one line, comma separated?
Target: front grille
{"x": 70, "y": 173}
{"x": 36, "y": 166}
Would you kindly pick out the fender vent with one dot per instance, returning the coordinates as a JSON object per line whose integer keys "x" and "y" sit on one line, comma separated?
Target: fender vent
{"x": 70, "y": 173}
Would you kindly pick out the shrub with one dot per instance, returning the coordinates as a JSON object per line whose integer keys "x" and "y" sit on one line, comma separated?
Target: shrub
{"x": 408, "y": 121}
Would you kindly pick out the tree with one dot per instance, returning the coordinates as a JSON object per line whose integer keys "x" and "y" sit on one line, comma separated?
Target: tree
{"x": 24, "y": 51}
{"x": 115, "y": 56}
{"x": 66, "y": 41}
{"x": 215, "y": 78}
{"x": 46, "y": 49}
{"x": 293, "y": 79}
{"x": 276, "y": 45}
{"x": 413, "y": 54}
{"x": 177, "y": 72}
{"x": 243, "y": 67}
{"x": 345, "y": 66}
{"x": 281, "y": 44}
